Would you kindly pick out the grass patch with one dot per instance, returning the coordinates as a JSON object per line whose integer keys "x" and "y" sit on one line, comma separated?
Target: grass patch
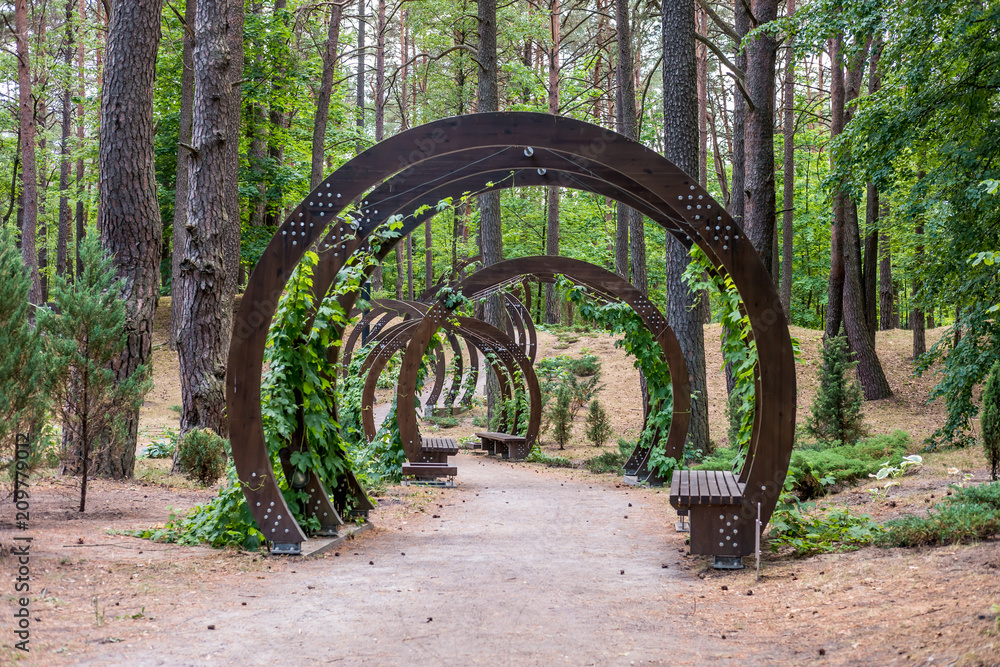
{"x": 538, "y": 456}
{"x": 610, "y": 462}
{"x": 968, "y": 515}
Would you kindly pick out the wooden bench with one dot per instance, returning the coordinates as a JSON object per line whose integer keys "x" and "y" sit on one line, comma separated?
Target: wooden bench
{"x": 430, "y": 473}
{"x": 437, "y": 450}
{"x": 433, "y": 464}
{"x": 714, "y": 499}
{"x": 507, "y": 445}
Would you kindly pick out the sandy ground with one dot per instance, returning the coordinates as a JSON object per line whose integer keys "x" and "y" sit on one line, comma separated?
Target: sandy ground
{"x": 518, "y": 565}
{"x": 521, "y": 564}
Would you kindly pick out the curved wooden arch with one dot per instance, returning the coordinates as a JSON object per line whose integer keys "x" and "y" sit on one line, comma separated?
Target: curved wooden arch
{"x": 547, "y": 267}
{"x": 625, "y": 170}
{"x": 395, "y": 339}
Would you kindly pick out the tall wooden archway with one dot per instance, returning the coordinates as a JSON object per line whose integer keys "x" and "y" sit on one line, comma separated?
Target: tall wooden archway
{"x": 504, "y": 149}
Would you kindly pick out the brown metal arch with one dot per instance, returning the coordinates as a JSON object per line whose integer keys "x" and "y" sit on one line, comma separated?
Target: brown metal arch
{"x": 675, "y": 196}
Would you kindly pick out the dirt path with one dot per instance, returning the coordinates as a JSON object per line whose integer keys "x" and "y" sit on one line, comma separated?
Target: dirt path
{"x": 517, "y": 566}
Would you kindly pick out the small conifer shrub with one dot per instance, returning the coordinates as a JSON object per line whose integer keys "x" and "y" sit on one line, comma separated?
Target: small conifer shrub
{"x": 561, "y": 418}
{"x": 201, "y": 455}
{"x": 836, "y": 411}
{"x": 990, "y": 420}
{"x": 598, "y": 424}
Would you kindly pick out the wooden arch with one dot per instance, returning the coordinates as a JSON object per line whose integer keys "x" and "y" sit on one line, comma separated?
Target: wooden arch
{"x": 606, "y": 284}
{"x": 561, "y": 151}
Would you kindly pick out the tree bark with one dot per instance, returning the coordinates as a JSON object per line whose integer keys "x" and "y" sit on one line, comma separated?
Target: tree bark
{"x": 181, "y": 182}
{"x": 835, "y": 298}
{"x": 628, "y": 125}
{"x": 737, "y": 196}
{"x": 701, "y": 59}
{"x": 129, "y": 214}
{"x": 80, "y": 135}
{"x": 277, "y": 117}
{"x": 552, "y": 309}
{"x": 759, "y": 220}
{"x": 490, "y": 232}
{"x": 788, "y": 196}
{"x": 65, "y": 166}
{"x": 29, "y": 165}
{"x": 918, "y": 321}
{"x": 206, "y": 306}
{"x": 870, "y": 266}
{"x": 886, "y": 290}
{"x": 323, "y": 98}
{"x": 680, "y": 117}
{"x": 360, "y": 90}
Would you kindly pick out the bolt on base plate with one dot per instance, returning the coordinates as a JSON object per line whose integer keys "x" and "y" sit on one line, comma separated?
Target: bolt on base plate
{"x": 727, "y": 562}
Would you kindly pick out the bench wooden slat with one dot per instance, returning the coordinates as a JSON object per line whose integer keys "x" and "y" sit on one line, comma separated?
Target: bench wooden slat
{"x": 704, "y": 487}
{"x": 503, "y": 437}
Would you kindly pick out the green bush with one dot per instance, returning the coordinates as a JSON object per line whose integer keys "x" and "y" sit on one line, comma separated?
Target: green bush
{"x": 814, "y": 469}
{"x": 162, "y": 449}
{"x": 968, "y": 515}
{"x": 598, "y": 425}
{"x": 202, "y": 456}
{"x": 610, "y": 462}
{"x": 836, "y": 411}
{"x": 443, "y": 422}
{"x": 586, "y": 366}
{"x": 834, "y": 530}
{"x": 538, "y": 456}
{"x": 990, "y": 420}
{"x": 561, "y": 418}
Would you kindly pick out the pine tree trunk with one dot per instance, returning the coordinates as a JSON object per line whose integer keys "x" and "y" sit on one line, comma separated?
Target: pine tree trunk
{"x": 627, "y": 124}
{"x": 759, "y": 218}
{"x": 129, "y": 213}
{"x": 871, "y": 259}
{"x": 324, "y": 96}
{"x": 917, "y": 319}
{"x": 183, "y": 155}
{"x": 701, "y": 60}
{"x": 788, "y": 196}
{"x": 409, "y": 266}
{"x": 206, "y": 322}
{"x": 360, "y": 90}
{"x": 80, "y": 136}
{"x": 65, "y": 165}
{"x": 835, "y": 298}
{"x": 737, "y": 196}
{"x": 29, "y": 165}
{"x": 552, "y": 308}
{"x": 886, "y": 290}
{"x": 490, "y": 231}
{"x": 680, "y": 117}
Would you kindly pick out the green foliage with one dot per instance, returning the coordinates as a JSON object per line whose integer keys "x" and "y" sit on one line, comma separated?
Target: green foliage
{"x": 201, "y": 455}
{"x": 739, "y": 350}
{"x": 225, "y": 521}
{"x": 86, "y": 331}
{"x": 639, "y": 343}
{"x": 598, "y": 425}
{"x": 23, "y": 364}
{"x": 837, "y": 529}
{"x": 164, "y": 448}
{"x": 610, "y": 462}
{"x": 990, "y": 420}
{"x": 561, "y": 418}
{"x": 811, "y": 471}
{"x": 970, "y": 514}
{"x": 586, "y": 366}
{"x": 442, "y": 422}
{"x": 538, "y": 456}
{"x": 836, "y": 411}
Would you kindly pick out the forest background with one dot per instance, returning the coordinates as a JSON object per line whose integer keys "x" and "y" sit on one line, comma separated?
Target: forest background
{"x": 857, "y": 141}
